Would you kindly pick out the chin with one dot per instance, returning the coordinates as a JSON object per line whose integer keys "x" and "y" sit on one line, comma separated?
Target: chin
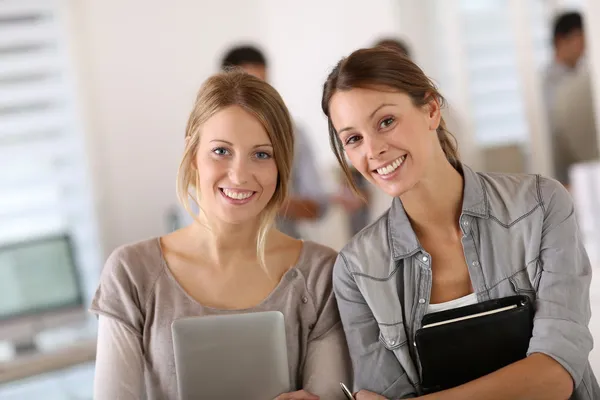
{"x": 237, "y": 218}
{"x": 398, "y": 189}
{"x": 395, "y": 192}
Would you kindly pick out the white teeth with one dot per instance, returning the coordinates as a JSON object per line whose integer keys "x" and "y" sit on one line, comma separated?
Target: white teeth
{"x": 237, "y": 195}
{"x": 392, "y": 167}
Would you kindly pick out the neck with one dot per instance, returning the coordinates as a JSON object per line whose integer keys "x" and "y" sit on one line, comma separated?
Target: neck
{"x": 559, "y": 58}
{"x": 227, "y": 244}
{"x": 435, "y": 203}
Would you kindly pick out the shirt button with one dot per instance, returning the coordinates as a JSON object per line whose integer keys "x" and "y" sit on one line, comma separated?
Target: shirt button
{"x": 294, "y": 273}
{"x": 415, "y": 344}
{"x": 421, "y": 301}
{"x": 466, "y": 223}
{"x": 425, "y": 258}
{"x": 475, "y": 263}
{"x": 304, "y": 299}
{"x": 392, "y": 342}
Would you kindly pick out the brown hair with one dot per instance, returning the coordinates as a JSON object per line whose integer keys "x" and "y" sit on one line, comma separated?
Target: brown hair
{"x": 237, "y": 88}
{"x": 383, "y": 67}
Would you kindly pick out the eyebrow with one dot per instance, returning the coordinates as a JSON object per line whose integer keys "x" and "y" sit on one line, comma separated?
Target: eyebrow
{"x": 231, "y": 144}
{"x": 370, "y": 115}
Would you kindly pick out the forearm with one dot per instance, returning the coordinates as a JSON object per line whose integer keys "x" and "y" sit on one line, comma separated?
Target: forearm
{"x": 536, "y": 377}
{"x": 119, "y": 363}
{"x": 327, "y": 364}
{"x": 300, "y": 208}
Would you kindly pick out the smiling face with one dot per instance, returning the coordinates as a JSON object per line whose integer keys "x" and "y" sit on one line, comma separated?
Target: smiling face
{"x": 389, "y": 140}
{"x": 237, "y": 172}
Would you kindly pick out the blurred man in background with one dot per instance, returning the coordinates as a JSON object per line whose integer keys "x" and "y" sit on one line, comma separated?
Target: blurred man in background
{"x": 566, "y": 88}
{"x": 573, "y": 123}
{"x": 569, "y": 43}
{"x": 307, "y": 200}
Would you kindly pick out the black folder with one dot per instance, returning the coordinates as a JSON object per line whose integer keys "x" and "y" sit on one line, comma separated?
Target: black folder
{"x": 459, "y": 345}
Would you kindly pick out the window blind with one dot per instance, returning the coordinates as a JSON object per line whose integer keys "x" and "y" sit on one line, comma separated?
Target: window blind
{"x": 495, "y": 92}
{"x": 44, "y": 184}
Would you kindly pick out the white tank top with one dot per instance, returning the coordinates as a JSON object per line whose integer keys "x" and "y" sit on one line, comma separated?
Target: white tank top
{"x": 456, "y": 303}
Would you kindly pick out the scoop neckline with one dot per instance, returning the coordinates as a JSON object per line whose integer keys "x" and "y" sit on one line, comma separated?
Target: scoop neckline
{"x": 285, "y": 280}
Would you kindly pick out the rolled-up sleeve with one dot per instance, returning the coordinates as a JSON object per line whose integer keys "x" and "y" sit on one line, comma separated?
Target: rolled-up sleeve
{"x": 560, "y": 328}
{"x": 375, "y": 368}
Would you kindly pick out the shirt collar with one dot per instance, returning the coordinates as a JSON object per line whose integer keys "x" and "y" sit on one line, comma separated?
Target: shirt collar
{"x": 403, "y": 238}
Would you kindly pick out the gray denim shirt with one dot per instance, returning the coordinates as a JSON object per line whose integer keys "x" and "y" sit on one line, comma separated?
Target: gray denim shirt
{"x": 520, "y": 236}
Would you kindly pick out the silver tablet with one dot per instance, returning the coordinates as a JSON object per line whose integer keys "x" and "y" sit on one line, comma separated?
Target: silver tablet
{"x": 233, "y": 356}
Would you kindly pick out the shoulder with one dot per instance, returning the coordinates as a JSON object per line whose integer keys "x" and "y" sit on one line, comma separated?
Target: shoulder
{"x": 316, "y": 259}
{"x": 511, "y": 196}
{"x": 552, "y": 73}
{"x": 133, "y": 267}
{"x": 316, "y": 266}
{"x": 554, "y": 196}
{"x": 369, "y": 247}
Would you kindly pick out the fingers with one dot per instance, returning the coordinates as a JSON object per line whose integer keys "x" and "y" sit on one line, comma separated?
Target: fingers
{"x": 366, "y": 395}
{"x": 299, "y": 395}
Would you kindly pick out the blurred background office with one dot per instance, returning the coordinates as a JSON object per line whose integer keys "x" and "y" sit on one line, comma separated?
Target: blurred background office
{"x": 95, "y": 94}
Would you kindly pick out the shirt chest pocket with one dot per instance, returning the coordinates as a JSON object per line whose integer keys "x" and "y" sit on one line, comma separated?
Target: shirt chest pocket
{"x": 393, "y": 337}
{"x": 383, "y": 297}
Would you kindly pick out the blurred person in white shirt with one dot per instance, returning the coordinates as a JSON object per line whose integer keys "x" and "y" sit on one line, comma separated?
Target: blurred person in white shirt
{"x": 573, "y": 121}
{"x": 569, "y": 44}
{"x": 568, "y": 41}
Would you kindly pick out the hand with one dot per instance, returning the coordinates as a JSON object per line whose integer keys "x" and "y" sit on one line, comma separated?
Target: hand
{"x": 366, "y": 395}
{"x": 299, "y": 395}
{"x": 349, "y": 202}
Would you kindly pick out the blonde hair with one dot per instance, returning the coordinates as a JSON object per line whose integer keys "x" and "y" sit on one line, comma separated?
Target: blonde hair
{"x": 237, "y": 88}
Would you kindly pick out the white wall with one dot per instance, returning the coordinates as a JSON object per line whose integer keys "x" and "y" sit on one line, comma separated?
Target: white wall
{"x": 142, "y": 61}
{"x": 305, "y": 40}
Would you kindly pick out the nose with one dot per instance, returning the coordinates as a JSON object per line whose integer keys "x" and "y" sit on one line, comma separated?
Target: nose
{"x": 376, "y": 146}
{"x": 239, "y": 171}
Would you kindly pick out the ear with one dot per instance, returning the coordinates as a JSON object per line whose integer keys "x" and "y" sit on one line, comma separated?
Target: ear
{"x": 434, "y": 111}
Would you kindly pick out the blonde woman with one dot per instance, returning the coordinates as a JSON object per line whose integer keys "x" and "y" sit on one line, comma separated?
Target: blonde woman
{"x": 236, "y": 165}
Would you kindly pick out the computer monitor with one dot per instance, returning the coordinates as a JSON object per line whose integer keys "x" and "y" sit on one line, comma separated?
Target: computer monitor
{"x": 40, "y": 289}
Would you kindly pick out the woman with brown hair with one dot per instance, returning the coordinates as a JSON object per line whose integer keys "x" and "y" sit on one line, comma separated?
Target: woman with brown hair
{"x": 452, "y": 238}
{"x": 236, "y": 167}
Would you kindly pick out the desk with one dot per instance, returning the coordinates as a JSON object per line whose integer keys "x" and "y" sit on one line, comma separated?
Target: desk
{"x": 41, "y": 363}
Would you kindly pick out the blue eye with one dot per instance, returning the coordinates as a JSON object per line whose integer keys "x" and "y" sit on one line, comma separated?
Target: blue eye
{"x": 220, "y": 151}
{"x": 262, "y": 155}
{"x": 386, "y": 122}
